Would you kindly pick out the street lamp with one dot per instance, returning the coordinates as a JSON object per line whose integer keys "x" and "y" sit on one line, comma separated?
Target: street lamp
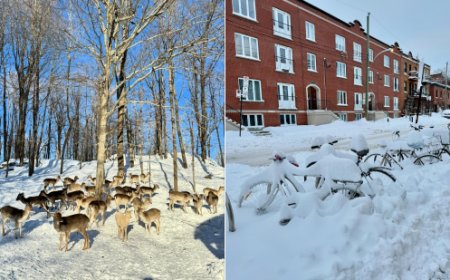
{"x": 366, "y": 110}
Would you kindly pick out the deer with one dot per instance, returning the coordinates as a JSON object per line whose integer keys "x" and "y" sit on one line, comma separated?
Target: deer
{"x": 145, "y": 177}
{"x": 123, "y": 199}
{"x": 56, "y": 195}
{"x": 135, "y": 179}
{"x": 96, "y": 207}
{"x": 68, "y": 181}
{"x": 73, "y": 223}
{"x": 212, "y": 201}
{"x": 124, "y": 190}
{"x": 51, "y": 181}
{"x": 198, "y": 203}
{"x": 76, "y": 187}
{"x": 39, "y": 200}
{"x": 83, "y": 202}
{"x": 217, "y": 192}
{"x": 19, "y": 216}
{"x": 117, "y": 180}
{"x": 140, "y": 204}
{"x": 180, "y": 197}
{"x": 73, "y": 196}
{"x": 122, "y": 221}
{"x": 142, "y": 190}
{"x": 92, "y": 179}
{"x": 150, "y": 216}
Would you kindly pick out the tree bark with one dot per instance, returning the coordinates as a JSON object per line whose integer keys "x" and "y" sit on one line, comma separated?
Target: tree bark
{"x": 174, "y": 131}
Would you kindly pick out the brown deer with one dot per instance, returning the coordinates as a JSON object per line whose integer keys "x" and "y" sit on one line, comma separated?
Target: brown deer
{"x": 122, "y": 221}
{"x": 150, "y": 216}
{"x": 19, "y": 216}
{"x": 66, "y": 225}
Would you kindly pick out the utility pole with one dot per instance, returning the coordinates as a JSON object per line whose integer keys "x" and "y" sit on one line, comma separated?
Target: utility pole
{"x": 446, "y": 85}
{"x": 366, "y": 109}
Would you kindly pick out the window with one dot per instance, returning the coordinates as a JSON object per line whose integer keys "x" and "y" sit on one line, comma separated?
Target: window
{"x": 370, "y": 77}
{"x": 386, "y": 101}
{"x": 370, "y": 55}
{"x": 357, "y": 80}
{"x": 358, "y": 101}
{"x": 357, "y": 54}
{"x": 396, "y": 70}
{"x": 288, "y": 119}
{"x": 286, "y": 96}
{"x": 395, "y": 103}
{"x": 358, "y": 116}
{"x": 342, "y": 98}
{"x": 386, "y": 61}
{"x": 283, "y": 59}
{"x": 341, "y": 70}
{"x": 246, "y": 46}
{"x": 343, "y": 116}
{"x": 244, "y": 8}
{"x": 310, "y": 31}
{"x": 405, "y": 88}
{"x": 406, "y": 68}
{"x": 340, "y": 43}
{"x": 386, "y": 80}
{"x": 252, "y": 120}
{"x": 281, "y": 23}
{"x": 395, "y": 84}
{"x": 254, "y": 89}
{"x": 311, "y": 62}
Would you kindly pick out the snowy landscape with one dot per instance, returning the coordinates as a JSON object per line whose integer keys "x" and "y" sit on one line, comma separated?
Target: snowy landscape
{"x": 189, "y": 246}
{"x": 400, "y": 231}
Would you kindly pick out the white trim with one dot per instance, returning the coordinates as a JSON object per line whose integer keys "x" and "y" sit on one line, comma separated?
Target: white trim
{"x": 242, "y": 15}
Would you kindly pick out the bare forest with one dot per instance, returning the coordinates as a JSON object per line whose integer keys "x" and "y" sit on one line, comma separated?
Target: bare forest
{"x": 111, "y": 80}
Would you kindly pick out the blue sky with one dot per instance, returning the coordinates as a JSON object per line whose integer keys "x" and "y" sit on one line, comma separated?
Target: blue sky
{"x": 421, "y": 27}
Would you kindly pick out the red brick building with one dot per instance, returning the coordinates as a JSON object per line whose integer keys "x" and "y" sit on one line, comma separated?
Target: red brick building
{"x": 305, "y": 66}
{"x": 439, "y": 88}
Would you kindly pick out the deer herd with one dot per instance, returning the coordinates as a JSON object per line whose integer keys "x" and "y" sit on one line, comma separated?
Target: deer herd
{"x": 83, "y": 196}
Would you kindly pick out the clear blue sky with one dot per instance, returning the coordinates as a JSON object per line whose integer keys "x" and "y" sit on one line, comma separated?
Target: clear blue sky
{"x": 422, "y": 27}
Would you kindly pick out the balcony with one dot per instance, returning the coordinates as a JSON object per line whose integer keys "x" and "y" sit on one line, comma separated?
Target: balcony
{"x": 413, "y": 76}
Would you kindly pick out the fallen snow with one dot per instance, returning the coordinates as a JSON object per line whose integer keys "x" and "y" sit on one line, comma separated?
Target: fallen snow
{"x": 189, "y": 246}
{"x": 402, "y": 233}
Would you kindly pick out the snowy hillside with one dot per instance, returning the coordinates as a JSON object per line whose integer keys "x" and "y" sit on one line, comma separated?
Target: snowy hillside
{"x": 402, "y": 233}
{"x": 189, "y": 246}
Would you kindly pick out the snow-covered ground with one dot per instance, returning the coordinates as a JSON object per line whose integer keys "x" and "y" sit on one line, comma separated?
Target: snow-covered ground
{"x": 402, "y": 233}
{"x": 189, "y": 246}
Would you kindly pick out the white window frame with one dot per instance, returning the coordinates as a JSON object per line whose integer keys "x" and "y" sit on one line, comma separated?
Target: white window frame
{"x": 357, "y": 52}
{"x": 292, "y": 118}
{"x": 386, "y": 80}
{"x": 343, "y": 67}
{"x": 248, "y": 116}
{"x": 371, "y": 55}
{"x": 395, "y": 103}
{"x": 358, "y": 105}
{"x": 370, "y": 77}
{"x": 311, "y": 61}
{"x": 386, "y": 101}
{"x": 252, "y": 46}
{"x": 285, "y": 64}
{"x": 396, "y": 66}
{"x": 249, "y": 6}
{"x": 310, "y": 31}
{"x": 357, "y": 76}
{"x": 343, "y": 116}
{"x": 286, "y": 101}
{"x": 251, "y": 90}
{"x": 340, "y": 43}
{"x": 386, "y": 61}
{"x": 285, "y": 29}
{"x": 396, "y": 89}
{"x": 342, "y": 98}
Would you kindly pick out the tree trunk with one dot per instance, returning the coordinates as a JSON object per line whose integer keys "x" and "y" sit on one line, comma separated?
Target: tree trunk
{"x": 180, "y": 135}
{"x": 101, "y": 134}
{"x": 34, "y": 135}
{"x": 174, "y": 130}
{"x": 191, "y": 132}
{"x": 204, "y": 112}
{"x": 130, "y": 139}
